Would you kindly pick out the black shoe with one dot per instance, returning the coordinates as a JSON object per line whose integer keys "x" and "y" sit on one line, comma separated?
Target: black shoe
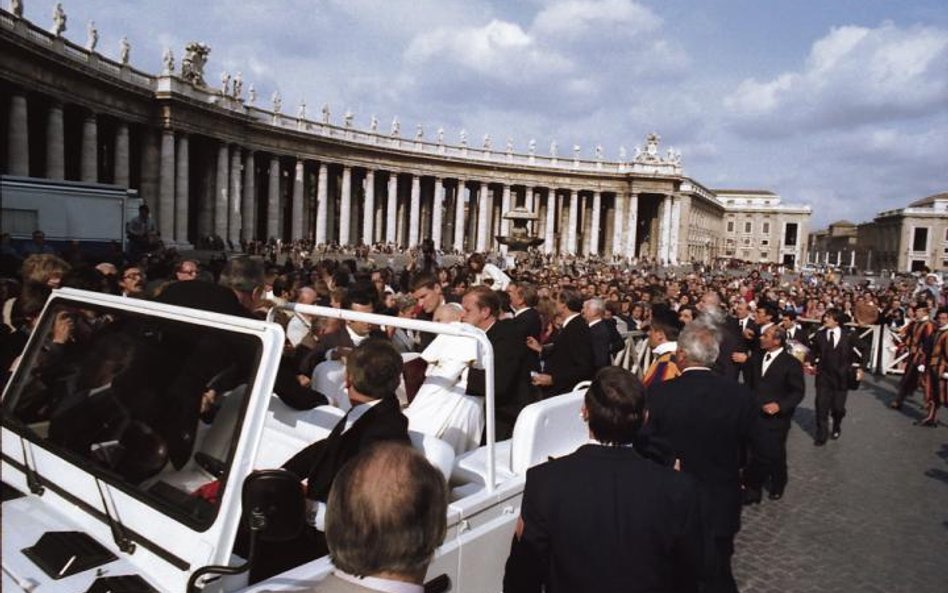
{"x": 751, "y": 497}
{"x": 819, "y": 442}
{"x": 836, "y": 432}
{"x": 896, "y": 405}
{"x": 775, "y": 495}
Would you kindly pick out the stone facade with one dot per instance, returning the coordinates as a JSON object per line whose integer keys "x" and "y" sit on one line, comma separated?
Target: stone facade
{"x": 906, "y": 239}
{"x": 759, "y": 227}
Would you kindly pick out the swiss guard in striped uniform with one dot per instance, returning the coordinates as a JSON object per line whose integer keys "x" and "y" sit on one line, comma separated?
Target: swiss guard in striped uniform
{"x": 663, "y": 340}
{"x": 936, "y": 389}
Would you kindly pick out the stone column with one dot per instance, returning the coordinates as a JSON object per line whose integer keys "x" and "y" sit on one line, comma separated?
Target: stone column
{"x": 460, "y": 200}
{"x": 150, "y": 159}
{"x": 483, "y": 215}
{"x": 233, "y": 205}
{"x": 55, "y": 153}
{"x": 322, "y": 204}
{"x": 248, "y": 206}
{"x": 617, "y": 247}
{"x": 664, "y": 244}
{"x": 504, "y": 209}
{"x": 181, "y": 190}
{"x": 88, "y": 159}
{"x": 573, "y": 221}
{"x": 437, "y": 218}
{"x": 18, "y": 141}
{"x": 296, "y": 214}
{"x": 368, "y": 213}
{"x": 550, "y": 221}
{"x": 594, "y": 227}
{"x": 673, "y": 238}
{"x": 632, "y": 225}
{"x": 122, "y": 176}
{"x": 345, "y": 214}
{"x": 391, "y": 208}
{"x": 414, "y": 216}
{"x": 220, "y": 193}
{"x": 273, "y": 199}
{"x": 165, "y": 214}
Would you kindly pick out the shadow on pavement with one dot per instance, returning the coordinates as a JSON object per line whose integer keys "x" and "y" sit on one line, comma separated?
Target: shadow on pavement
{"x": 805, "y": 418}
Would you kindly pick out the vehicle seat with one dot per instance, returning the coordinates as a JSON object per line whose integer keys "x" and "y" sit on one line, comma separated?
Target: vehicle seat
{"x": 436, "y": 451}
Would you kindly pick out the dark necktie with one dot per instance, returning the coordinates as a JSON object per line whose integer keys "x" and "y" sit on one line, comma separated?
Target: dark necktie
{"x": 833, "y": 339}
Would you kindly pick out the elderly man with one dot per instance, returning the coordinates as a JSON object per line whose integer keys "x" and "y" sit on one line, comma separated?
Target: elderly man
{"x": 606, "y": 340}
{"x": 605, "y": 518}
{"x": 386, "y": 516}
{"x": 187, "y": 269}
{"x": 132, "y": 282}
{"x": 706, "y": 420}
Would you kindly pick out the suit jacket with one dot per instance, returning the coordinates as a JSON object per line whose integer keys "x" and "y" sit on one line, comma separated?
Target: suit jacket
{"x": 606, "y": 519}
{"x": 728, "y": 344}
{"x": 782, "y": 384}
{"x": 606, "y": 341}
{"x": 570, "y": 357}
{"x": 529, "y": 322}
{"x": 833, "y": 364}
{"x": 336, "y": 339}
{"x": 706, "y": 420}
{"x": 512, "y": 367}
{"x": 321, "y": 461}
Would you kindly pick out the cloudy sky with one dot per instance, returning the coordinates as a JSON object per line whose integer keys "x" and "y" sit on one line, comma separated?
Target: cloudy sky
{"x": 840, "y": 104}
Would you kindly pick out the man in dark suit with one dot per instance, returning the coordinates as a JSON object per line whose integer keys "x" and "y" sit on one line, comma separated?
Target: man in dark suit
{"x": 373, "y": 372}
{"x": 511, "y": 358}
{"x": 605, "y": 518}
{"x": 833, "y": 353}
{"x": 360, "y": 297}
{"x": 523, "y": 302}
{"x": 569, "y": 359}
{"x": 729, "y": 340}
{"x": 776, "y": 378}
{"x": 606, "y": 341}
{"x": 706, "y": 421}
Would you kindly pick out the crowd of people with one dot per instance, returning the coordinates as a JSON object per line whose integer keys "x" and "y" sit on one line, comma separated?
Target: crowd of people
{"x": 696, "y": 372}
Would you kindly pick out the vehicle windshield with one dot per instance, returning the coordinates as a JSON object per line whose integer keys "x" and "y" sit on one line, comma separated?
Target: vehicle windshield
{"x": 148, "y": 404}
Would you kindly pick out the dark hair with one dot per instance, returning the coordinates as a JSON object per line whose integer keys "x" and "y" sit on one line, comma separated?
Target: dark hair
{"x": 780, "y": 334}
{"x": 572, "y": 298}
{"x": 770, "y": 311}
{"x": 615, "y": 403}
{"x": 528, "y": 292}
{"x": 666, "y": 321}
{"x": 486, "y": 299}
{"x": 242, "y": 273}
{"x": 836, "y": 314}
{"x": 423, "y": 280}
{"x": 387, "y": 512}
{"x": 361, "y": 293}
{"x": 375, "y": 368}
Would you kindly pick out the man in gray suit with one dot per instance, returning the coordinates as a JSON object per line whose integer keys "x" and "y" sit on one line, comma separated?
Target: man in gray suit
{"x": 386, "y": 516}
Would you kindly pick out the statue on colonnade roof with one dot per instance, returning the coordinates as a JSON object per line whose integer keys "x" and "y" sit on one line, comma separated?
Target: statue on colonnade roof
{"x": 238, "y": 86}
{"x": 59, "y": 20}
{"x": 125, "y": 49}
{"x": 16, "y": 8}
{"x": 347, "y": 118}
{"x": 326, "y": 113}
{"x": 92, "y": 36}
{"x": 251, "y": 95}
{"x": 192, "y": 65}
{"x": 167, "y": 60}
{"x": 374, "y": 124}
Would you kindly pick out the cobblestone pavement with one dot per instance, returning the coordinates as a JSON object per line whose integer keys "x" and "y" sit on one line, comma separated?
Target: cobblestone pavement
{"x": 866, "y": 513}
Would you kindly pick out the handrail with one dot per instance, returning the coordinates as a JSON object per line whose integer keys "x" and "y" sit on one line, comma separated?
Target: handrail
{"x": 485, "y": 351}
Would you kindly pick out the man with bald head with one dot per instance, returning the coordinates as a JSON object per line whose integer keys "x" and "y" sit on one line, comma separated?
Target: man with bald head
{"x": 385, "y": 518}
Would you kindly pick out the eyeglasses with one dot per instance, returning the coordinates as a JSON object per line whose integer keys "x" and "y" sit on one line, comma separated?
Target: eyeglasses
{"x": 188, "y": 272}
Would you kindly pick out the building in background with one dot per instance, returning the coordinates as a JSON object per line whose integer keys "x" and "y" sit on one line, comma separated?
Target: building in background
{"x": 759, "y": 227}
{"x": 906, "y": 239}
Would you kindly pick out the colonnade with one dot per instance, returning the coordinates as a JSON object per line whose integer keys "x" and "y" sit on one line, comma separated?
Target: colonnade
{"x": 199, "y": 186}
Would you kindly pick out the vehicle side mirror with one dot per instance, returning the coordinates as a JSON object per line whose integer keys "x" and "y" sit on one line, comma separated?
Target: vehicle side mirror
{"x": 274, "y": 510}
{"x": 273, "y": 504}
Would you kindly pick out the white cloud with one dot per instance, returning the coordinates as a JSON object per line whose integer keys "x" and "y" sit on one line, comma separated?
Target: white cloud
{"x": 500, "y": 50}
{"x": 577, "y": 18}
{"x": 854, "y": 75}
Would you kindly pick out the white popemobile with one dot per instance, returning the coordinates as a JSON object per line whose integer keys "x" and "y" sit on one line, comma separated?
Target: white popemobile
{"x": 95, "y": 501}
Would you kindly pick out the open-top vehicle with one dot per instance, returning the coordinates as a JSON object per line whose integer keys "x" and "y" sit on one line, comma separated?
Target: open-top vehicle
{"x": 116, "y": 480}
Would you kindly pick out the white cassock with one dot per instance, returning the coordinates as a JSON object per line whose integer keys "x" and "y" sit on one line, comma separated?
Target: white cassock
{"x": 440, "y": 407}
